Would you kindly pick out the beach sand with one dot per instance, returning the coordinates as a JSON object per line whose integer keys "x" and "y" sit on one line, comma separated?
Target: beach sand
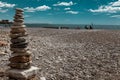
{"x": 71, "y": 54}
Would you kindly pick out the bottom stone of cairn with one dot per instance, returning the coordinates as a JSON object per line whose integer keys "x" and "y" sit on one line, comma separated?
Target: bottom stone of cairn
{"x": 28, "y": 74}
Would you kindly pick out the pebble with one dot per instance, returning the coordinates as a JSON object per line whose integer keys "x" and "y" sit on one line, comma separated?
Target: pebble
{"x": 37, "y": 58}
{"x": 42, "y": 78}
{"x": 2, "y": 53}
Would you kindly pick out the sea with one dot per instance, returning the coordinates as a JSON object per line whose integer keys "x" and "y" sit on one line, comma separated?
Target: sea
{"x": 74, "y": 26}
{"x": 70, "y": 26}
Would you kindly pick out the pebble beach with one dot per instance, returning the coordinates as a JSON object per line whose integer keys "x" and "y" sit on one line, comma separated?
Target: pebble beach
{"x": 68, "y": 54}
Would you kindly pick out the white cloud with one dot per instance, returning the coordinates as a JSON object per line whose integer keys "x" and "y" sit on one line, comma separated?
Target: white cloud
{"x": 3, "y": 11}
{"x": 116, "y": 16}
{"x": 30, "y": 9}
{"x": 72, "y": 12}
{"x": 39, "y": 8}
{"x": 6, "y": 5}
{"x": 117, "y": 3}
{"x": 109, "y": 9}
{"x": 43, "y": 8}
{"x": 112, "y": 7}
{"x": 64, "y": 4}
{"x": 67, "y": 8}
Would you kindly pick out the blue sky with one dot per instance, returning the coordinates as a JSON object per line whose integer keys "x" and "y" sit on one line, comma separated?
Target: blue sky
{"x": 64, "y": 11}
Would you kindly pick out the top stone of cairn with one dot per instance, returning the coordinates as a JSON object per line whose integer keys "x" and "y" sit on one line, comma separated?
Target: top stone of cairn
{"x": 19, "y": 9}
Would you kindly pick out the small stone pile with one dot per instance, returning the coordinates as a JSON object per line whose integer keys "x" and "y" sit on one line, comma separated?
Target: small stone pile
{"x": 20, "y": 60}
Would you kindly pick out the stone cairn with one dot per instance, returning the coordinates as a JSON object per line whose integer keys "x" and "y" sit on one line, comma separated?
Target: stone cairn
{"x": 20, "y": 60}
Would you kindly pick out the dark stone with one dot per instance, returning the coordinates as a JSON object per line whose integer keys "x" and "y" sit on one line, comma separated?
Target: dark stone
{"x": 20, "y": 65}
{"x": 16, "y": 17}
{"x": 19, "y": 12}
{"x": 18, "y": 40}
{"x": 18, "y": 20}
{"x": 33, "y": 77}
{"x": 19, "y": 45}
{"x": 19, "y": 15}
{"x": 20, "y": 59}
{"x": 17, "y": 32}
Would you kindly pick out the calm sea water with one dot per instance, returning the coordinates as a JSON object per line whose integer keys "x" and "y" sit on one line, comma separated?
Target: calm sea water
{"x": 72, "y": 26}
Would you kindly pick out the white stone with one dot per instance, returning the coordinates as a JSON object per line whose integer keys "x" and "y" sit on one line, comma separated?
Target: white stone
{"x": 24, "y": 74}
{"x": 42, "y": 78}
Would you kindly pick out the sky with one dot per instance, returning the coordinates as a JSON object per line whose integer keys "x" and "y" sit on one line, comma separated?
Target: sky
{"x": 101, "y": 12}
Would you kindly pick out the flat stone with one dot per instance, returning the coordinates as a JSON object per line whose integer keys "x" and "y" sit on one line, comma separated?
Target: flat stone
{"x": 20, "y": 65}
{"x": 20, "y": 59}
{"x": 30, "y": 78}
{"x": 18, "y": 23}
{"x": 17, "y": 17}
{"x": 19, "y": 50}
{"x": 18, "y": 20}
{"x": 27, "y": 53}
{"x": 15, "y": 23}
{"x": 13, "y": 36}
{"x": 23, "y": 26}
{"x": 22, "y": 74}
{"x": 18, "y": 40}
{"x": 18, "y": 30}
{"x": 19, "y": 45}
{"x": 19, "y": 10}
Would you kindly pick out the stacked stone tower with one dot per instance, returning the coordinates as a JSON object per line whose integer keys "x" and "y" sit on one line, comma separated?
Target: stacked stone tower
{"x": 20, "y": 60}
